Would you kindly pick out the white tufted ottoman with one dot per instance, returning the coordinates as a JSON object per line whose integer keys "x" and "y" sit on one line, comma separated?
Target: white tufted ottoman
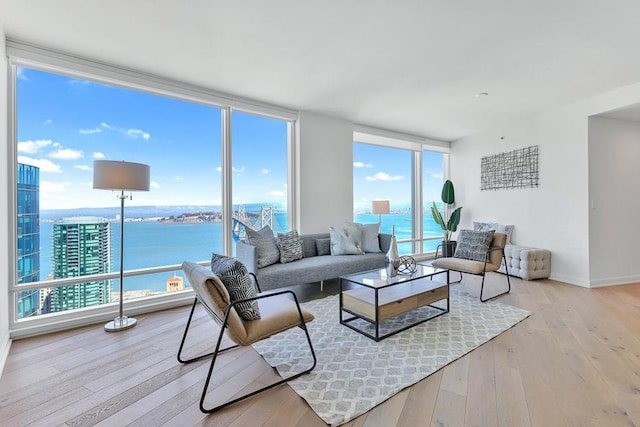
{"x": 527, "y": 263}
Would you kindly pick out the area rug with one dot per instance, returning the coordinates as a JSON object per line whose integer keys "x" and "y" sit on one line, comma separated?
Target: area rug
{"x": 355, "y": 373}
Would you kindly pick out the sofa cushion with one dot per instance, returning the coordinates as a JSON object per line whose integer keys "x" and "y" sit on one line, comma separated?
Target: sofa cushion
{"x": 235, "y": 278}
{"x": 323, "y": 246}
{"x": 369, "y": 242}
{"x": 473, "y": 244}
{"x": 290, "y": 246}
{"x": 265, "y": 243}
{"x": 345, "y": 241}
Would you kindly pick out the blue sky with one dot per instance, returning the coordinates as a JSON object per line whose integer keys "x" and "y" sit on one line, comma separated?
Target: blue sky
{"x": 65, "y": 123}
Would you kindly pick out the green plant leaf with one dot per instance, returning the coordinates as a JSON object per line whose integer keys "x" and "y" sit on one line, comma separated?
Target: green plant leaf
{"x": 448, "y": 193}
{"x": 435, "y": 213}
{"x": 454, "y": 219}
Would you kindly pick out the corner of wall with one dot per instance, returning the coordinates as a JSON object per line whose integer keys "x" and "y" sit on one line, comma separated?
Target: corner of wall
{"x": 5, "y": 341}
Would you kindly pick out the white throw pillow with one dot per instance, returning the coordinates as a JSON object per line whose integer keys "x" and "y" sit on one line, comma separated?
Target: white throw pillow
{"x": 345, "y": 242}
{"x": 369, "y": 242}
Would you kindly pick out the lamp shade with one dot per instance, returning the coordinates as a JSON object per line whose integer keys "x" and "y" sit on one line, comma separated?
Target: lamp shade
{"x": 380, "y": 207}
{"x": 125, "y": 176}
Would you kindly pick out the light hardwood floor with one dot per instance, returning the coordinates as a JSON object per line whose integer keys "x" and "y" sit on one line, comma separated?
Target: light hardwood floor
{"x": 574, "y": 362}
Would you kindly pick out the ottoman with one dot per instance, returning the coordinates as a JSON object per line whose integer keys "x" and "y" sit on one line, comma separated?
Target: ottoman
{"x": 526, "y": 262}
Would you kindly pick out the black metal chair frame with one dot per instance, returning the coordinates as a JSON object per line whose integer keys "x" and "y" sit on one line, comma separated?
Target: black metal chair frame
{"x": 218, "y": 350}
{"x": 484, "y": 272}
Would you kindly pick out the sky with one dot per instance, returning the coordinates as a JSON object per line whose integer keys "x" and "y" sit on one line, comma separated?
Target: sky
{"x": 66, "y": 123}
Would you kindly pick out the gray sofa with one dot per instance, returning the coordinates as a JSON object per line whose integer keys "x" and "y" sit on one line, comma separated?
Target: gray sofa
{"x": 312, "y": 267}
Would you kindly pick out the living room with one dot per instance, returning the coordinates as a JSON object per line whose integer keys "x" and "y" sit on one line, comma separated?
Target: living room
{"x": 581, "y": 211}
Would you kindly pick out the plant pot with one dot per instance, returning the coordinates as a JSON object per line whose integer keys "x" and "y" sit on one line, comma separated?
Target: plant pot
{"x": 448, "y": 248}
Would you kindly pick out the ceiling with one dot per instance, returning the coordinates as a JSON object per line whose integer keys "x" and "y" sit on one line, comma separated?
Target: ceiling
{"x": 413, "y": 66}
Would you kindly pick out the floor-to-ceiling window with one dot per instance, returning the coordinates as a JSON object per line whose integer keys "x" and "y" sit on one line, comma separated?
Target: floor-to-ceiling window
{"x": 410, "y": 179}
{"x": 63, "y": 120}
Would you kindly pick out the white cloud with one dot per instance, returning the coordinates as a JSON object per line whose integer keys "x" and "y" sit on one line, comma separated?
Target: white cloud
{"x": 105, "y": 125}
{"x": 178, "y": 178}
{"x": 82, "y": 167}
{"x": 53, "y": 187}
{"x": 154, "y": 184}
{"x": 362, "y": 165}
{"x": 48, "y": 122}
{"x": 266, "y": 171}
{"x": 437, "y": 176}
{"x": 44, "y": 164}
{"x": 98, "y": 155}
{"x": 277, "y": 193}
{"x": 137, "y": 133}
{"x": 32, "y": 147}
{"x": 238, "y": 170}
{"x": 22, "y": 75}
{"x": 66, "y": 154}
{"x": 382, "y": 176}
{"x": 90, "y": 131}
{"x": 219, "y": 168}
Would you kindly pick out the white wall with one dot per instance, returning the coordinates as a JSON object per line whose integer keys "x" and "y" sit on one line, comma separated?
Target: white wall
{"x": 4, "y": 203}
{"x": 325, "y": 173}
{"x": 614, "y": 194}
{"x": 556, "y": 214}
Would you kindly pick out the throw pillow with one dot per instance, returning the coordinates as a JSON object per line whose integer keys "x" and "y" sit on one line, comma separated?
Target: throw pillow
{"x": 234, "y": 276}
{"x": 323, "y": 246}
{"x": 369, "y": 242}
{"x": 343, "y": 243}
{"x": 266, "y": 247}
{"x": 500, "y": 228}
{"x": 290, "y": 246}
{"x": 473, "y": 244}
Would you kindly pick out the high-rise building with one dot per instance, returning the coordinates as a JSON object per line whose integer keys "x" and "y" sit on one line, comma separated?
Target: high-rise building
{"x": 81, "y": 246}
{"x": 28, "y": 233}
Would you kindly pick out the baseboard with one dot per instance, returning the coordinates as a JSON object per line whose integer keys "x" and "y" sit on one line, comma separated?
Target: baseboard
{"x": 614, "y": 281}
{"x": 570, "y": 280}
{"x": 5, "y": 345}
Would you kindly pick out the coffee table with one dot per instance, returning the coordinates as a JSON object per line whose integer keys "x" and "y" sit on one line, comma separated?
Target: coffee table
{"x": 374, "y": 297}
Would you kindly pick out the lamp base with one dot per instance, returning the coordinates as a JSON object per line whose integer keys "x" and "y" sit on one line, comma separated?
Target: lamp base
{"x": 120, "y": 324}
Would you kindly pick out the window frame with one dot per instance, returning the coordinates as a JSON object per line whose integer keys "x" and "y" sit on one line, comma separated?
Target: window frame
{"x": 47, "y": 60}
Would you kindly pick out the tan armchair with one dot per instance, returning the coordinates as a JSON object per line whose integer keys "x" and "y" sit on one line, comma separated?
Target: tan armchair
{"x": 279, "y": 311}
{"x": 492, "y": 260}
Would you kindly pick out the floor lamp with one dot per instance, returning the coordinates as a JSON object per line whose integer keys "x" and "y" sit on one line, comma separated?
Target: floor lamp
{"x": 380, "y": 207}
{"x": 120, "y": 176}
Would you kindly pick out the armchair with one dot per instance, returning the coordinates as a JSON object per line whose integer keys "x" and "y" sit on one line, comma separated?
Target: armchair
{"x": 279, "y": 311}
{"x": 491, "y": 261}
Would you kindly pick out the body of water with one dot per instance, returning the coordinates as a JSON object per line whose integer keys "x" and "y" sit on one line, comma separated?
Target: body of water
{"x": 152, "y": 244}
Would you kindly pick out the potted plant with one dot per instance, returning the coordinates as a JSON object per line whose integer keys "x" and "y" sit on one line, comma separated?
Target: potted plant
{"x": 451, "y": 224}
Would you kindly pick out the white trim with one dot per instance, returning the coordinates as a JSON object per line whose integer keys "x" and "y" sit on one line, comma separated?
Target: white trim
{"x": 22, "y": 53}
{"x": 570, "y": 280}
{"x": 614, "y": 281}
{"x": 5, "y": 346}
{"x": 387, "y": 138}
{"x": 91, "y": 315}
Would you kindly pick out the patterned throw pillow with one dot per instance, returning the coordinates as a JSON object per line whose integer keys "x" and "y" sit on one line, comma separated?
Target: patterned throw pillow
{"x": 473, "y": 244}
{"x": 498, "y": 228}
{"x": 290, "y": 246}
{"x": 266, "y": 247}
{"x": 235, "y": 277}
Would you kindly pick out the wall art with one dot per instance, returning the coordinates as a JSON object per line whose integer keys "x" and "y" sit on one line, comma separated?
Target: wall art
{"x": 511, "y": 169}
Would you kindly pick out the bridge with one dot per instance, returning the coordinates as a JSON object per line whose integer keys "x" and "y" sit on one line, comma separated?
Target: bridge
{"x": 241, "y": 221}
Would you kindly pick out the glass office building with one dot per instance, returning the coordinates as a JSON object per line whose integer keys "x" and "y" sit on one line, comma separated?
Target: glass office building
{"x": 28, "y": 233}
{"x": 81, "y": 246}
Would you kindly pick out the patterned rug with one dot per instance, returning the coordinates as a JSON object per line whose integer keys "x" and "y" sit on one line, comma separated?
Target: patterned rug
{"x": 354, "y": 373}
